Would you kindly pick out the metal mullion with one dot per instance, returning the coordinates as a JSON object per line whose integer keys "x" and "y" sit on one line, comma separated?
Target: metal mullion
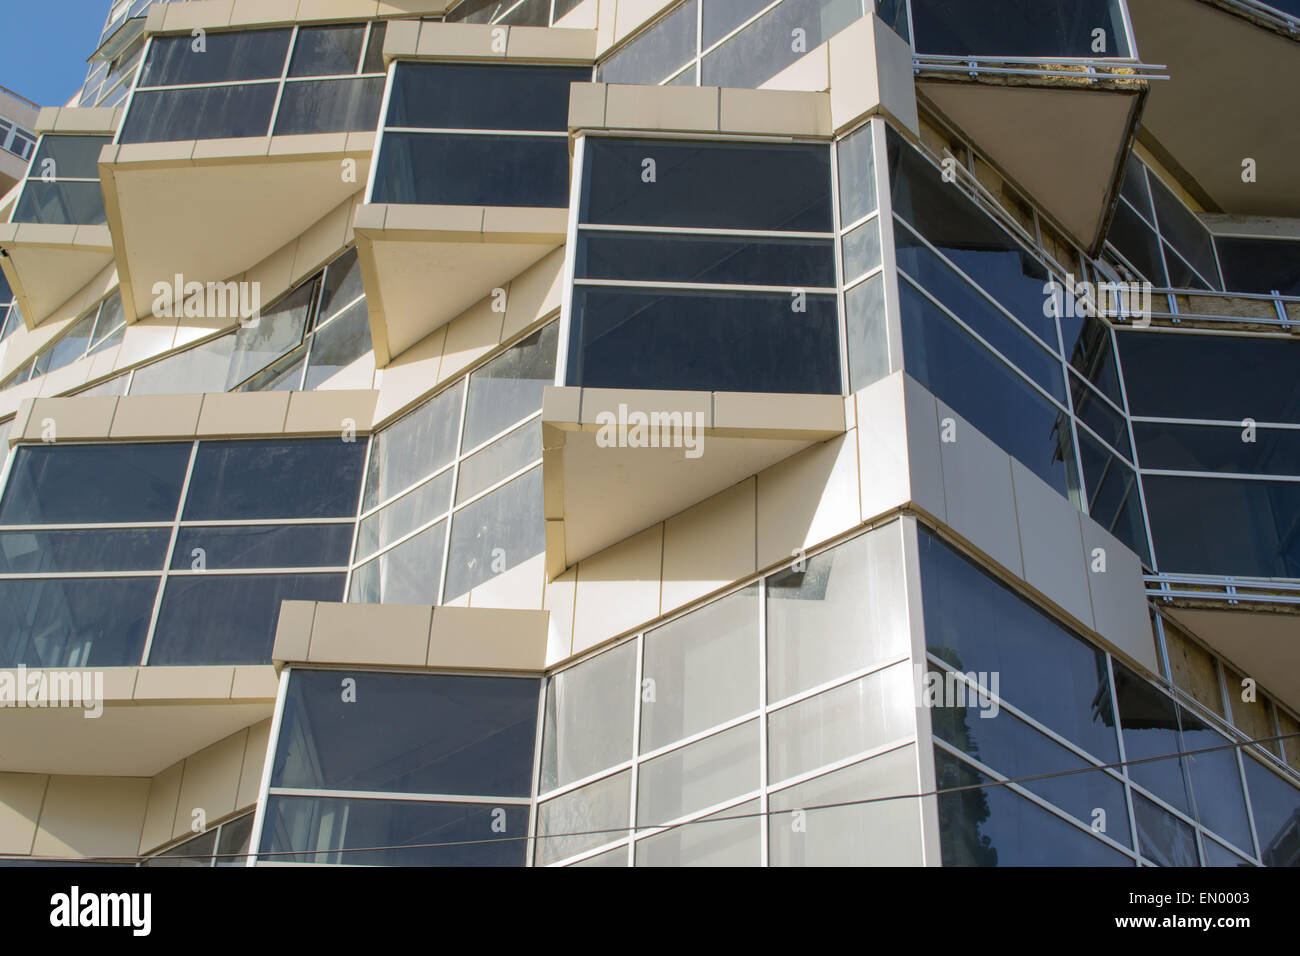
{"x": 1006, "y": 783}
{"x": 862, "y": 756}
{"x": 675, "y": 231}
{"x": 837, "y": 252}
{"x": 485, "y": 443}
{"x": 455, "y": 481}
{"x": 1209, "y": 422}
{"x": 475, "y": 131}
{"x": 356, "y": 522}
{"x": 1033, "y": 722}
{"x": 1092, "y": 433}
{"x": 1093, "y": 390}
{"x": 1228, "y": 475}
{"x": 145, "y": 51}
{"x": 178, "y": 87}
{"x": 330, "y": 793}
{"x": 834, "y": 683}
{"x": 240, "y": 572}
{"x": 111, "y": 526}
{"x": 846, "y": 229}
{"x": 535, "y": 777}
{"x": 764, "y": 837}
{"x": 402, "y": 539}
{"x": 982, "y": 341}
{"x": 272, "y": 744}
{"x": 74, "y": 575}
{"x": 167, "y": 561}
{"x": 1137, "y": 463}
{"x": 1257, "y": 848}
{"x": 706, "y": 50}
{"x": 943, "y": 258}
{"x": 257, "y": 522}
{"x": 702, "y": 286}
{"x": 576, "y": 180}
{"x": 682, "y": 743}
{"x": 698, "y": 816}
{"x": 579, "y": 783}
{"x": 1119, "y": 743}
{"x": 860, "y": 280}
{"x": 382, "y": 131}
{"x": 284, "y": 76}
{"x": 371, "y": 512}
{"x": 637, "y": 756}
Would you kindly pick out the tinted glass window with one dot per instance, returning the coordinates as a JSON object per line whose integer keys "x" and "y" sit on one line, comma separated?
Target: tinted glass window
{"x": 319, "y": 478}
{"x": 414, "y": 446}
{"x": 1216, "y": 781}
{"x": 976, "y": 624}
{"x": 453, "y": 169}
{"x": 657, "y": 53}
{"x": 1018, "y": 28}
{"x": 711, "y": 259}
{"x": 764, "y": 48}
{"x": 330, "y": 106}
{"x": 589, "y": 714}
{"x": 1221, "y": 377}
{"x": 738, "y": 342}
{"x": 327, "y": 50}
{"x": 1150, "y": 723}
{"x": 230, "y": 619}
{"x": 394, "y": 832}
{"x": 129, "y": 549}
{"x": 707, "y": 185}
{"x": 1276, "y": 807}
{"x": 1274, "y": 451}
{"x": 510, "y": 386}
{"x": 137, "y": 482}
{"x": 495, "y": 534}
{"x": 242, "y": 55}
{"x": 262, "y": 546}
{"x": 1162, "y": 837}
{"x": 81, "y": 622}
{"x": 993, "y": 826}
{"x": 1260, "y": 265}
{"x": 408, "y": 733}
{"x": 72, "y": 157}
{"x": 464, "y": 96}
{"x": 214, "y": 112}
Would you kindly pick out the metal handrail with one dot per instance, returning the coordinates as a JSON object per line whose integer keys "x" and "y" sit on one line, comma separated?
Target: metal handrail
{"x": 1097, "y": 69}
{"x": 1234, "y": 589}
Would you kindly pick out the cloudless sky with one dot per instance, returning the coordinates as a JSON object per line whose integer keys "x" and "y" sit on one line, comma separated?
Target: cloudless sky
{"x": 44, "y": 45}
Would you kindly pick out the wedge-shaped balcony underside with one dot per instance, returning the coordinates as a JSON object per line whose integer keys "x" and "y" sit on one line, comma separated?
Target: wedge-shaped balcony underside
{"x": 210, "y": 209}
{"x": 1063, "y": 141}
{"x": 424, "y": 265}
{"x": 47, "y": 264}
{"x": 1224, "y": 105}
{"x": 124, "y": 721}
{"x": 616, "y": 461}
{"x": 1265, "y": 643}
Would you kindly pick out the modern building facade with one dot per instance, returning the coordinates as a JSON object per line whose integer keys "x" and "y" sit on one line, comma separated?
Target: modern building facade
{"x": 629, "y": 432}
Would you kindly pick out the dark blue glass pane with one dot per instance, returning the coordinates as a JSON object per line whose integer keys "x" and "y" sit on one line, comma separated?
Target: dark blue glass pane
{"x": 330, "y": 106}
{"x": 726, "y": 186}
{"x": 318, "y": 478}
{"x": 1015, "y": 749}
{"x": 1260, "y": 265}
{"x": 90, "y": 484}
{"x": 393, "y": 832}
{"x": 977, "y": 624}
{"x": 1088, "y": 349}
{"x": 408, "y": 733}
{"x": 711, "y": 259}
{"x": 1112, "y": 490}
{"x": 230, "y": 619}
{"x": 330, "y": 50}
{"x": 81, "y": 622}
{"x": 735, "y": 342}
{"x": 1100, "y": 417}
{"x": 61, "y": 204}
{"x": 131, "y": 549}
{"x": 944, "y": 215}
{"x": 1134, "y": 188}
{"x": 1216, "y": 781}
{"x": 237, "y": 55}
{"x": 1273, "y": 451}
{"x": 983, "y": 390}
{"x": 213, "y": 112}
{"x": 1225, "y": 525}
{"x": 1275, "y": 805}
{"x": 993, "y": 826}
{"x": 1018, "y": 28}
{"x": 1162, "y": 837}
{"x": 1138, "y": 243}
{"x": 486, "y": 96}
{"x": 263, "y": 546}
{"x": 1220, "y": 377}
{"x": 1182, "y": 230}
{"x": 74, "y": 157}
{"x": 982, "y": 316}
{"x": 467, "y": 170}
{"x": 1150, "y": 723}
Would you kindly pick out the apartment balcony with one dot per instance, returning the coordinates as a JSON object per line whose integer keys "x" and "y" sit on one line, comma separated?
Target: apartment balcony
{"x": 1051, "y": 93}
{"x": 1220, "y": 118}
{"x": 471, "y": 175}
{"x": 57, "y": 239}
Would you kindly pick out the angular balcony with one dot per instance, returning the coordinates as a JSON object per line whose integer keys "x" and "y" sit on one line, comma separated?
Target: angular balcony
{"x": 223, "y": 158}
{"x": 57, "y": 239}
{"x": 471, "y": 174}
{"x": 1222, "y": 108}
{"x": 1022, "y": 80}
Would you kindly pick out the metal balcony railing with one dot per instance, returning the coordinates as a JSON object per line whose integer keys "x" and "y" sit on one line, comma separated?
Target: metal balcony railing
{"x": 1233, "y": 590}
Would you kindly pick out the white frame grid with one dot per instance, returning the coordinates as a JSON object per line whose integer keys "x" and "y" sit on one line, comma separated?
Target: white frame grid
{"x": 174, "y": 525}
{"x": 281, "y": 82}
{"x": 451, "y": 468}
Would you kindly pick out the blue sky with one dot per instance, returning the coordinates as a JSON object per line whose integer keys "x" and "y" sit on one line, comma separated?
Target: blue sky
{"x": 44, "y": 45}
